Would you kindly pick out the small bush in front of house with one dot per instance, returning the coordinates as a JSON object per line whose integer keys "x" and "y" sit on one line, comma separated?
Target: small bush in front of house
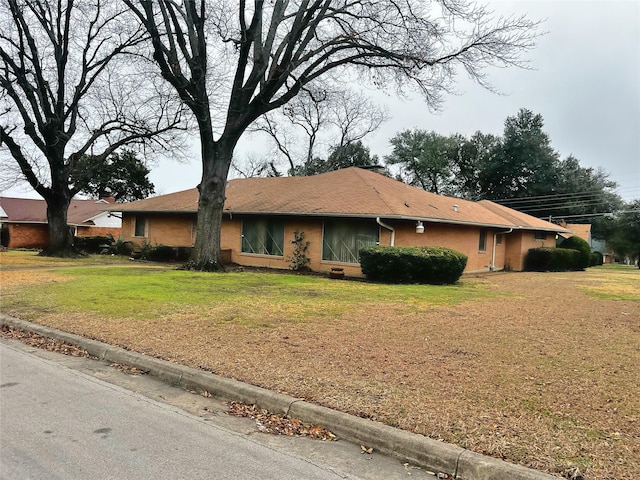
{"x": 545, "y": 259}
{"x": 183, "y": 254}
{"x": 577, "y": 243}
{"x": 597, "y": 259}
{"x": 4, "y": 235}
{"x": 95, "y": 244}
{"x": 162, "y": 253}
{"x": 432, "y": 265}
{"x": 117, "y": 246}
{"x": 299, "y": 261}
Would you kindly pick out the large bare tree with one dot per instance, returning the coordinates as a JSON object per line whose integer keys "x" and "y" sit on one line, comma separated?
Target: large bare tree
{"x": 67, "y": 91}
{"x": 243, "y": 59}
{"x": 318, "y": 121}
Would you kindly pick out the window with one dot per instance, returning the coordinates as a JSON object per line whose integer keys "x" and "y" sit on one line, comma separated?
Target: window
{"x": 263, "y": 236}
{"x": 499, "y": 238}
{"x": 539, "y": 235}
{"x": 139, "y": 228}
{"x": 342, "y": 240}
{"x": 482, "y": 243}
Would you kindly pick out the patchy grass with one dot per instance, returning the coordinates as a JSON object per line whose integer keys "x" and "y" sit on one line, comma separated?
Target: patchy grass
{"x": 620, "y": 283}
{"x": 249, "y": 299}
{"x": 30, "y": 258}
{"x": 530, "y": 367}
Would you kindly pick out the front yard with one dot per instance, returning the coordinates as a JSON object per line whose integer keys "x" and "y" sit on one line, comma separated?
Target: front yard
{"x": 540, "y": 369}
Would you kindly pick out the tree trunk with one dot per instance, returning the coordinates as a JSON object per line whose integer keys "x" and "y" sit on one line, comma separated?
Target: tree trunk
{"x": 216, "y": 162}
{"x": 60, "y": 238}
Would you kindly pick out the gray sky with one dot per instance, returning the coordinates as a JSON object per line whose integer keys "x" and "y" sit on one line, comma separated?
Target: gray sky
{"x": 585, "y": 83}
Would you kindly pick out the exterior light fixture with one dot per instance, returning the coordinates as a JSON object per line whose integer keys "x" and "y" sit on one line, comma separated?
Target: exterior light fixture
{"x": 419, "y": 227}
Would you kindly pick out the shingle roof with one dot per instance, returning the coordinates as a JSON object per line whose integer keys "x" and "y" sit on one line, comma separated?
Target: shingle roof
{"x": 28, "y": 210}
{"x": 350, "y": 192}
{"x": 582, "y": 230}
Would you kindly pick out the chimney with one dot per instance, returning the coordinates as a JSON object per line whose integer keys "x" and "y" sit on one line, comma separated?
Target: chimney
{"x": 108, "y": 199}
{"x": 374, "y": 168}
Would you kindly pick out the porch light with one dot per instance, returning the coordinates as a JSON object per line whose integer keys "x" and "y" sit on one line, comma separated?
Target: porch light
{"x": 419, "y": 227}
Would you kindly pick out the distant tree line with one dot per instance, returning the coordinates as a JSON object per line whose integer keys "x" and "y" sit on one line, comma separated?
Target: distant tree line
{"x": 519, "y": 169}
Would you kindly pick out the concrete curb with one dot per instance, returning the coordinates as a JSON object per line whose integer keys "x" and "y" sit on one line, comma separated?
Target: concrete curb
{"x": 413, "y": 448}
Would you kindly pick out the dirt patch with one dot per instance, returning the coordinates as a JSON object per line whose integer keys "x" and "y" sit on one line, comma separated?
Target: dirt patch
{"x": 545, "y": 376}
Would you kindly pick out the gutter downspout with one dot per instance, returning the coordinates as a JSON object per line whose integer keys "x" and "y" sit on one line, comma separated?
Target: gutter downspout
{"x": 492, "y": 267}
{"x": 393, "y": 232}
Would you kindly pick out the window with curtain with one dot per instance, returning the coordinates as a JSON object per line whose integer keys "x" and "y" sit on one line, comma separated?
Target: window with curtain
{"x": 342, "y": 240}
{"x": 263, "y": 236}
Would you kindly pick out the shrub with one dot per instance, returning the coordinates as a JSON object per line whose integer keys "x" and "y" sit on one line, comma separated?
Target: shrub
{"x": 117, "y": 246}
{"x": 162, "y": 253}
{"x": 183, "y": 253}
{"x": 544, "y": 259}
{"x": 299, "y": 261}
{"x": 165, "y": 253}
{"x": 596, "y": 259}
{"x": 433, "y": 265}
{"x": 96, "y": 244}
{"x": 4, "y": 235}
{"x": 577, "y": 243}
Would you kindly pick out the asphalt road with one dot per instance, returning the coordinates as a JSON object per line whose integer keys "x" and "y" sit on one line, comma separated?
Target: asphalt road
{"x": 57, "y": 423}
{"x": 71, "y": 418}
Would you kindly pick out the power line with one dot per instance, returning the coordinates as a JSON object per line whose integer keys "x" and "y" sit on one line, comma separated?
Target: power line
{"x": 557, "y": 196}
{"x": 584, "y": 215}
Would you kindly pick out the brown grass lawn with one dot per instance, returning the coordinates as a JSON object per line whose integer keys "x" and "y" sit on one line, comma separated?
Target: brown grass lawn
{"x": 544, "y": 373}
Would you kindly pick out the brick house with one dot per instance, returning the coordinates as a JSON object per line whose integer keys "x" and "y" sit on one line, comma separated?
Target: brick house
{"x": 24, "y": 221}
{"x": 339, "y": 213}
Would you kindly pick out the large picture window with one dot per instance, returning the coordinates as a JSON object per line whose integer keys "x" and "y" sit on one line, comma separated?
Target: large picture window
{"x": 343, "y": 240}
{"x": 263, "y": 236}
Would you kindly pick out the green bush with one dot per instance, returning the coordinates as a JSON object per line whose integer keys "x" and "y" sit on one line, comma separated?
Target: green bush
{"x": 545, "y": 259}
{"x": 96, "y": 244}
{"x": 165, "y": 253}
{"x": 117, "y": 246}
{"x": 596, "y": 259}
{"x": 433, "y": 265}
{"x": 162, "y": 253}
{"x": 183, "y": 253}
{"x": 577, "y": 243}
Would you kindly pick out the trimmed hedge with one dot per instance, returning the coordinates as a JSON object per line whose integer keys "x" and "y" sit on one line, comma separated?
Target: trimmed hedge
{"x": 165, "y": 253}
{"x": 577, "y": 243}
{"x": 433, "y": 265}
{"x": 545, "y": 259}
{"x": 597, "y": 259}
{"x": 96, "y": 244}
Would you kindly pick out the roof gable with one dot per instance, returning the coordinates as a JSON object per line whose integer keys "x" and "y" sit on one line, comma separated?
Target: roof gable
{"x": 29, "y": 210}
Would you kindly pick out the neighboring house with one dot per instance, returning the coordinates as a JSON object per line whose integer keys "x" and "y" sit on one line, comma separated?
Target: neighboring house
{"x": 340, "y": 212}
{"x": 24, "y": 221}
{"x": 583, "y": 230}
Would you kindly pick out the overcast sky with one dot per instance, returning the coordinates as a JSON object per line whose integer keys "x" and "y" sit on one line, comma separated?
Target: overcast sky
{"x": 585, "y": 83}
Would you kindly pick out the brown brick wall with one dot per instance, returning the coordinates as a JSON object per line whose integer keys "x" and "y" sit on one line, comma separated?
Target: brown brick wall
{"x": 170, "y": 229}
{"x": 98, "y": 231}
{"x": 25, "y": 235}
{"x": 178, "y": 230}
{"x": 519, "y": 243}
{"x": 34, "y": 235}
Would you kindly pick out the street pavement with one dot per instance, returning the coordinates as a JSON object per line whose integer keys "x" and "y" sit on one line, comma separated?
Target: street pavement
{"x": 77, "y": 418}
